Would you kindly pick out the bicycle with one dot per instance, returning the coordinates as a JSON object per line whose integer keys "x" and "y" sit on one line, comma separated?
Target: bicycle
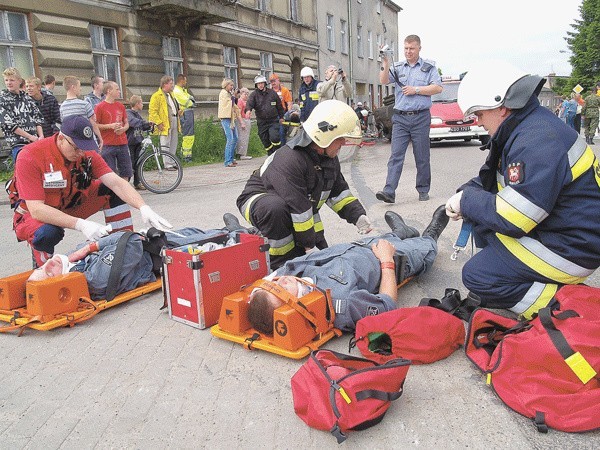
{"x": 158, "y": 170}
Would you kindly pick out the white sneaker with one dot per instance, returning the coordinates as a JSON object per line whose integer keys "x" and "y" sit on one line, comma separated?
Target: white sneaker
{"x": 245, "y": 157}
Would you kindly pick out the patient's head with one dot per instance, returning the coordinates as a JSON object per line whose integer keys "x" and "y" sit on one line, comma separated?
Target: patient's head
{"x": 57, "y": 265}
{"x": 263, "y": 304}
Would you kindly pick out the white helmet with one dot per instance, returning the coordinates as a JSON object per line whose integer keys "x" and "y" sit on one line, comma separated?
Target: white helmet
{"x": 307, "y": 72}
{"x": 491, "y": 85}
{"x": 259, "y": 79}
{"x": 330, "y": 120}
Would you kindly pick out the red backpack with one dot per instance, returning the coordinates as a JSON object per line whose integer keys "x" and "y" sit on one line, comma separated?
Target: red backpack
{"x": 546, "y": 369}
{"x": 337, "y": 393}
{"x": 422, "y": 334}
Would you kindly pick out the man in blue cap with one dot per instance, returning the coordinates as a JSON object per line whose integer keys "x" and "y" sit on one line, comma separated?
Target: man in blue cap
{"x": 62, "y": 180}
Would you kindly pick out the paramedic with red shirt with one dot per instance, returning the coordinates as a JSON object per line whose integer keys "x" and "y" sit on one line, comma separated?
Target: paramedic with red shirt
{"x": 60, "y": 181}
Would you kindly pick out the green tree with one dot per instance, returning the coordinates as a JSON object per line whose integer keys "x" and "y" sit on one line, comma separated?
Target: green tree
{"x": 584, "y": 44}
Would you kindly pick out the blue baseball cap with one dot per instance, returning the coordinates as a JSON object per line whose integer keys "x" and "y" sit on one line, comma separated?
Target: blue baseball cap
{"x": 79, "y": 129}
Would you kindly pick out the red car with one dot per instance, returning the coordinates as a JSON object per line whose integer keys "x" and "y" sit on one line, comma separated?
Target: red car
{"x": 447, "y": 120}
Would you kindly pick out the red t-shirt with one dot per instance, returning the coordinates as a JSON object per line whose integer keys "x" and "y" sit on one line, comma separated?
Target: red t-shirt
{"x": 110, "y": 113}
{"x": 42, "y": 173}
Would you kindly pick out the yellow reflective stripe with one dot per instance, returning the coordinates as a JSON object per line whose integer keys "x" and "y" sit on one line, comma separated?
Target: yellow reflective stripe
{"x": 303, "y": 226}
{"x": 544, "y": 261}
{"x": 518, "y": 210}
{"x": 597, "y": 171}
{"x": 583, "y": 163}
{"x": 279, "y": 247}
{"x": 337, "y": 207}
{"x": 323, "y": 199}
{"x": 500, "y": 181}
{"x": 303, "y": 221}
{"x": 246, "y": 207}
{"x": 318, "y": 223}
{"x": 580, "y": 367}
{"x": 537, "y": 297}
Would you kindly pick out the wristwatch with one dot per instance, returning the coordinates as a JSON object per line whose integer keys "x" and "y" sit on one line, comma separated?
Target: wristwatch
{"x": 417, "y": 90}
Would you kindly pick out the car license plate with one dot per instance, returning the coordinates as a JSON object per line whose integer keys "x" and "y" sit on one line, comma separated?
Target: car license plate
{"x": 459, "y": 129}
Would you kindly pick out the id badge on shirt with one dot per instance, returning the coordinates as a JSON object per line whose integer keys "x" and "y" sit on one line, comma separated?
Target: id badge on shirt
{"x": 54, "y": 180}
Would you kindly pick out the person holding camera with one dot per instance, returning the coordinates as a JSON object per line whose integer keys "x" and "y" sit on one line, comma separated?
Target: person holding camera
{"x": 416, "y": 80}
{"x": 336, "y": 85}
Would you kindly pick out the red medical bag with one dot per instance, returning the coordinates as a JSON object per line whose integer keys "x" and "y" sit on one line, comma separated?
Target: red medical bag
{"x": 195, "y": 282}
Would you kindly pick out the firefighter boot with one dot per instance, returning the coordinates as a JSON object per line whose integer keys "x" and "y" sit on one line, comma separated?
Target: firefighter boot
{"x": 438, "y": 223}
{"x": 399, "y": 228}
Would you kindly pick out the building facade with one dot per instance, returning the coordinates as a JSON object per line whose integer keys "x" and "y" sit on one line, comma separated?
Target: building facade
{"x": 350, "y": 35}
{"x": 135, "y": 42}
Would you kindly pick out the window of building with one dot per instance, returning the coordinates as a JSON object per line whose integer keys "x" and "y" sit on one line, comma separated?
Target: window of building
{"x": 262, "y": 5}
{"x": 378, "y": 40}
{"x": 266, "y": 64}
{"x": 105, "y": 52}
{"x": 330, "y": 33}
{"x": 378, "y": 6}
{"x": 360, "y": 51}
{"x": 15, "y": 45}
{"x": 370, "y": 43}
{"x": 344, "y": 36}
{"x": 294, "y": 10}
{"x": 172, "y": 56}
{"x": 230, "y": 64}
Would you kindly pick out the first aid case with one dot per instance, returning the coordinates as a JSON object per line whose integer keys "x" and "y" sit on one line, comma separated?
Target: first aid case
{"x": 195, "y": 281}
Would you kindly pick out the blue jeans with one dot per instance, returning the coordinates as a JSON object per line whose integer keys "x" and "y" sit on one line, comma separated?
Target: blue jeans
{"x": 232, "y": 137}
{"x": 15, "y": 151}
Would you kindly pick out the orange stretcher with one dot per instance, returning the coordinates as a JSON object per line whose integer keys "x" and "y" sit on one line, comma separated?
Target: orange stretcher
{"x": 56, "y": 302}
{"x": 298, "y": 327}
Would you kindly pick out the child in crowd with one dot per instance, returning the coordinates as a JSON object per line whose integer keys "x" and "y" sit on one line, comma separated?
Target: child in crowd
{"x": 134, "y": 134}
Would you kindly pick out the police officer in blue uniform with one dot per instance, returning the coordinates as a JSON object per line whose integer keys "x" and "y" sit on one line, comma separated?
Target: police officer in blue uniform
{"x": 416, "y": 80}
{"x": 534, "y": 206}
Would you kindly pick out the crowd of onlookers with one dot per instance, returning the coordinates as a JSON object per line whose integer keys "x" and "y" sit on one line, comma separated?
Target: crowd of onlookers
{"x": 576, "y": 111}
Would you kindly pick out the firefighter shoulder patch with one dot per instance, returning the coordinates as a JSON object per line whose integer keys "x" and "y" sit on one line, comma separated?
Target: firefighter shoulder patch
{"x": 516, "y": 172}
{"x": 372, "y": 310}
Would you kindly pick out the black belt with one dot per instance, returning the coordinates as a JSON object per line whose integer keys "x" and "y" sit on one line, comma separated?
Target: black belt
{"x": 409, "y": 113}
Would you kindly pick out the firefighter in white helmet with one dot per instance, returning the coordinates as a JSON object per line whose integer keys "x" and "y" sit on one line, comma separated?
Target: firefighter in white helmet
{"x": 269, "y": 113}
{"x": 534, "y": 207}
{"x": 282, "y": 198}
{"x": 308, "y": 95}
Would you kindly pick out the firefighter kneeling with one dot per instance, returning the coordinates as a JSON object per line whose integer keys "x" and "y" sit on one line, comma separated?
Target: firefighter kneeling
{"x": 282, "y": 198}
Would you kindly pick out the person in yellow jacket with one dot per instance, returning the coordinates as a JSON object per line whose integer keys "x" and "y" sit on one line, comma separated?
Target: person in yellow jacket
{"x": 164, "y": 112}
{"x": 186, "y": 103}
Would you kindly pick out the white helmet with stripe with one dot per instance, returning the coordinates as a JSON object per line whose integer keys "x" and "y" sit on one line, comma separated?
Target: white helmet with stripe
{"x": 330, "y": 120}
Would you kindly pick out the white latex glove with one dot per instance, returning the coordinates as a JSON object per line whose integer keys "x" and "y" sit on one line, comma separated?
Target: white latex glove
{"x": 453, "y": 206}
{"x": 151, "y": 219}
{"x": 364, "y": 225}
{"x": 92, "y": 230}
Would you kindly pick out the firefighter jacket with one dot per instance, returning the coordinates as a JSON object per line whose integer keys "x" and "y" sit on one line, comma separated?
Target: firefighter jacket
{"x": 266, "y": 104}
{"x": 538, "y": 196}
{"x": 305, "y": 180}
{"x": 309, "y": 98}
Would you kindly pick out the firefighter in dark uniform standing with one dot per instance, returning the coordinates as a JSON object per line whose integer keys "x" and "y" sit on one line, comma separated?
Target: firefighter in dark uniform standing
{"x": 269, "y": 113}
{"x": 534, "y": 206}
{"x": 282, "y": 198}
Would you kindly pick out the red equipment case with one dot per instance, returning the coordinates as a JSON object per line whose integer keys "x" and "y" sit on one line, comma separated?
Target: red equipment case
{"x": 195, "y": 283}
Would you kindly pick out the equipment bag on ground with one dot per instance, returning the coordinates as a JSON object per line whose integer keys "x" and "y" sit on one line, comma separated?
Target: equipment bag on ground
{"x": 546, "y": 369}
{"x": 337, "y": 393}
{"x": 422, "y": 334}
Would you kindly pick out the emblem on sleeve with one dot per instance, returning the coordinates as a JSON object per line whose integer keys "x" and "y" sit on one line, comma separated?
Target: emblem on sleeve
{"x": 372, "y": 310}
{"x": 516, "y": 172}
{"x": 87, "y": 132}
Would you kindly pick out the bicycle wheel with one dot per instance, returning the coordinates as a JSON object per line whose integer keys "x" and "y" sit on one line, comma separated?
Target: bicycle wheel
{"x": 160, "y": 172}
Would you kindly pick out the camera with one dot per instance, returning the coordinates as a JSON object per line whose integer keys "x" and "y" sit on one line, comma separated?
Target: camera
{"x": 386, "y": 51}
{"x": 340, "y": 70}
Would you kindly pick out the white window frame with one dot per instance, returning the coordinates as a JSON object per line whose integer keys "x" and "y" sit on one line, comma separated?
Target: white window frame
{"x": 294, "y": 10}
{"x": 378, "y": 6}
{"x": 262, "y": 5}
{"x": 370, "y": 43}
{"x": 173, "y": 62}
{"x": 378, "y": 41}
{"x": 103, "y": 53}
{"x": 344, "y": 36}
{"x": 230, "y": 65}
{"x": 330, "y": 33}
{"x": 360, "y": 51}
{"x": 9, "y": 44}
{"x": 266, "y": 64}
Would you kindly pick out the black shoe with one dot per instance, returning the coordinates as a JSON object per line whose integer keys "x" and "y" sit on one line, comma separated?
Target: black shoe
{"x": 232, "y": 223}
{"x": 438, "y": 223}
{"x": 385, "y": 197}
{"x": 423, "y": 196}
{"x": 399, "y": 228}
